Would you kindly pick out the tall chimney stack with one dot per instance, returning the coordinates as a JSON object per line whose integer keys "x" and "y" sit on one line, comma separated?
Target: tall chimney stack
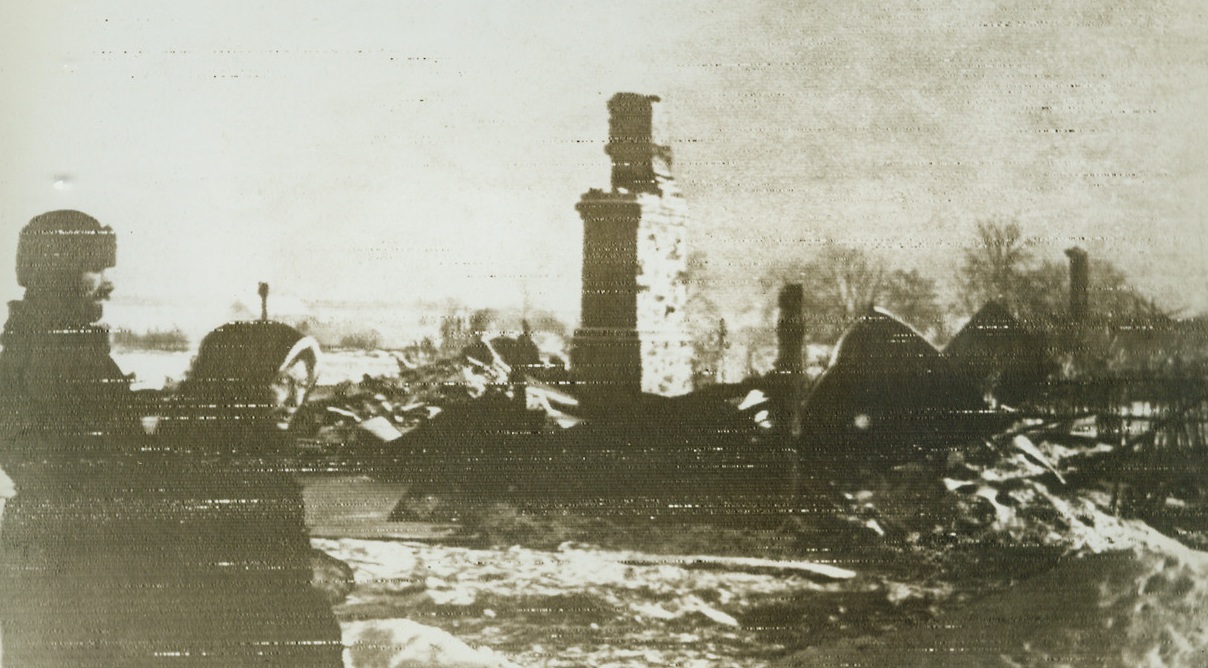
{"x": 640, "y": 154}
{"x": 632, "y": 335}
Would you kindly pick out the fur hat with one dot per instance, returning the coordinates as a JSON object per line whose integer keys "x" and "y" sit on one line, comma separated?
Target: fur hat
{"x": 61, "y": 242}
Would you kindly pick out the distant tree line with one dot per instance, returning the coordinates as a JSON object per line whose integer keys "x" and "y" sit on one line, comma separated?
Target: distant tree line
{"x": 1000, "y": 264}
{"x": 369, "y": 339}
{"x": 841, "y": 283}
{"x": 461, "y": 326}
{"x": 1003, "y": 266}
{"x": 171, "y": 340}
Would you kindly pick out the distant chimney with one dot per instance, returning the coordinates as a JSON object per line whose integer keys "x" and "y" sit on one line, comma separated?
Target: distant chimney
{"x": 641, "y": 155}
{"x": 1079, "y": 282}
{"x": 790, "y": 328}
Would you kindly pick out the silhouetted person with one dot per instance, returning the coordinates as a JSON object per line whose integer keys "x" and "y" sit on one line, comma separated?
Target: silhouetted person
{"x": 244, "y": 560}
{"x": 71, "y": 544}
{"x": 123, "y": 551}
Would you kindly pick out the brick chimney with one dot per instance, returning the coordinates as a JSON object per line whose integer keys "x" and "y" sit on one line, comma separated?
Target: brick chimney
{"x": 640, "y": 154}
{"x": 632, "y": 336}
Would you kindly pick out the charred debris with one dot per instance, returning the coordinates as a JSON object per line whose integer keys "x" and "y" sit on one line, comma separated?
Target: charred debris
{"x": 1086, "y": 400}
{"x": 498, "y": 423}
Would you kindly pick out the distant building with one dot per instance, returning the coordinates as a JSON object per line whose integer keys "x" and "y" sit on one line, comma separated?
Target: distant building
{"x": 633, "y": 334}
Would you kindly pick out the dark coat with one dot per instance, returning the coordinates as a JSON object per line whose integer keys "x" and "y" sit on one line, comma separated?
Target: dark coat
{"x": 120, "y": 551}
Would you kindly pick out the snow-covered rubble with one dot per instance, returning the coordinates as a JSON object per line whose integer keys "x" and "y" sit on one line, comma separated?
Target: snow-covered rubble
{"x": 1142, "y": 606}
{"x": 1010, "y": 533}
{"x": 578, "y": 605}
{"x": 458, "y": 576}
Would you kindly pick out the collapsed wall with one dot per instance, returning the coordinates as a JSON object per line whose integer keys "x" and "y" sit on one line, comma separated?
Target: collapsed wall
{"x": 633, "y": 335}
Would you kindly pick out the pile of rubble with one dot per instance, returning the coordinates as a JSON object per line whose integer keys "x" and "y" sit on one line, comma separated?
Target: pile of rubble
{"x": 498, "y": 424}
{"x": 350, "y": 421}
{"x": 947, "y": 511}
{"x": 1026, "y": 537}
{"x": 922, "y": 557}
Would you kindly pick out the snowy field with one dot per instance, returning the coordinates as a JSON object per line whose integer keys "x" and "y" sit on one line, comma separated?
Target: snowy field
{"x": 153, "y": 369}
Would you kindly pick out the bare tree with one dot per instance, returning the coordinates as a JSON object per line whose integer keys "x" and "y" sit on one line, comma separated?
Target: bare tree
{"x": 997, "y": 267}
{"x": 842, "y": 283}
{"x": 912, "y": 297}
{"x": 845, "y": 280}
{"x": 1002, "y": 266}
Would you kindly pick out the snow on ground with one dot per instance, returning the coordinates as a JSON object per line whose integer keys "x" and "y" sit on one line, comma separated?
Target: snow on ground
{"x": 402, "y": 643}
{"x": 1138, "y": 607}
{"x": 1099, "y": 591}
{"x": 1136, "y": 599}
{"x": 574, "y": 606}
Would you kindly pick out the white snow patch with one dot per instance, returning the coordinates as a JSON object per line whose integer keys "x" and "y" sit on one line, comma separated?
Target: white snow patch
{"x": 402, "y": 643}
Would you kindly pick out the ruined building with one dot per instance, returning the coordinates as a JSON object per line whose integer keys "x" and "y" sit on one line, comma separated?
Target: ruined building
{"x": 632, "y": 334}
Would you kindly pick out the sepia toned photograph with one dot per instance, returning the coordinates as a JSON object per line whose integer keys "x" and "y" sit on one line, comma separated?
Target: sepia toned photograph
{"x": 603, "y": 334}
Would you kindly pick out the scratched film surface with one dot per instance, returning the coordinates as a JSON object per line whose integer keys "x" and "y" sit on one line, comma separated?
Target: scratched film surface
{"x": 604, "y": 334}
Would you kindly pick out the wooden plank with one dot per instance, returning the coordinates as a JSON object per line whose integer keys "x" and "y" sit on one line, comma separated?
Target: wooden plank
{"x": 745, "y": 564}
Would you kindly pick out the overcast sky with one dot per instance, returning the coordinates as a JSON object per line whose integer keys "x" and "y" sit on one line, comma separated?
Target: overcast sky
{"x": 395, "y": 149}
